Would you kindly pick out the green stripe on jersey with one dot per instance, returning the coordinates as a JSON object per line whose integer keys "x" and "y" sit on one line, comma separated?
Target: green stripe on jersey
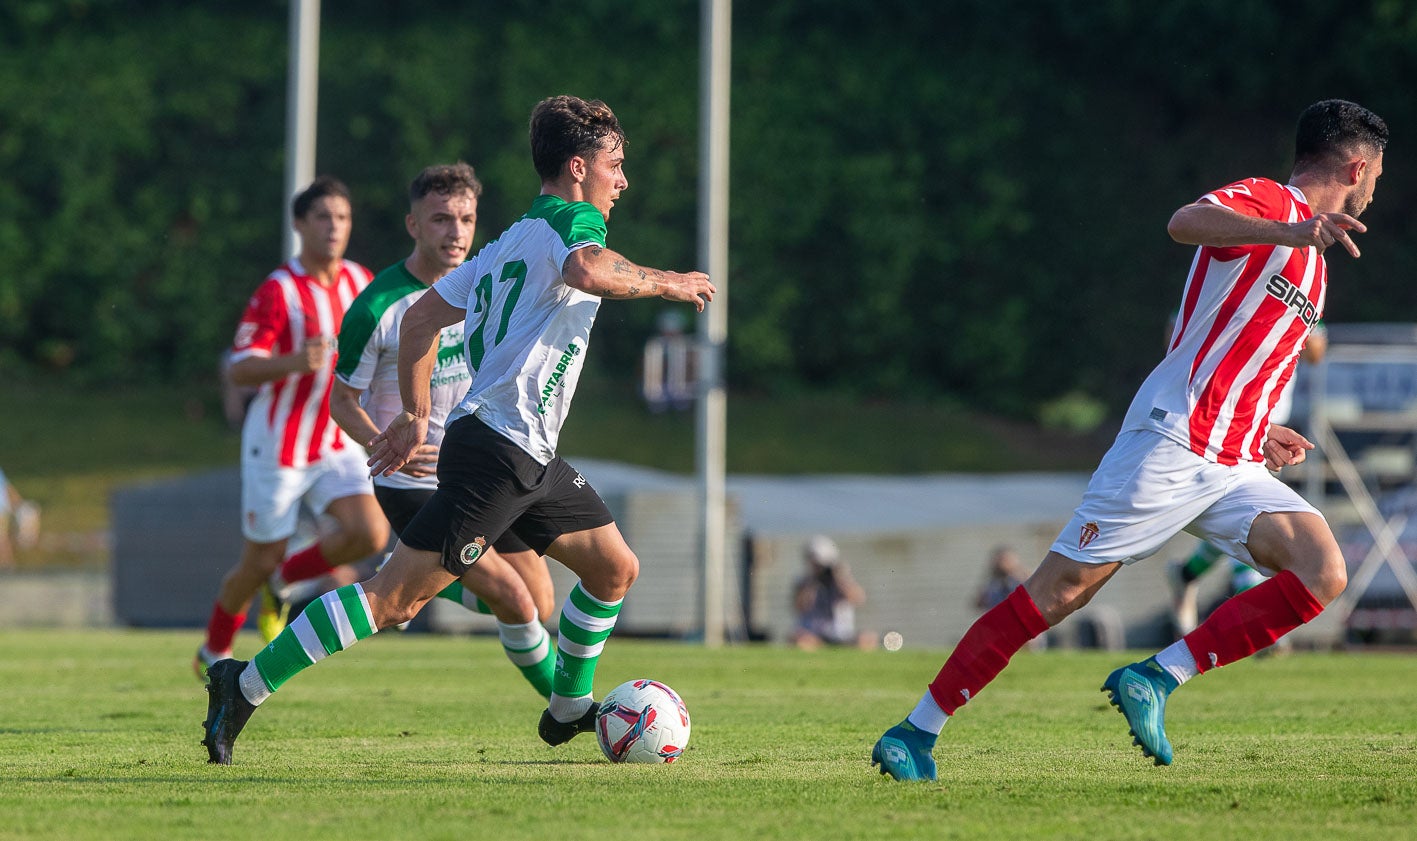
{"x": 572, "y": 221}
{"x": 388, "y": 288}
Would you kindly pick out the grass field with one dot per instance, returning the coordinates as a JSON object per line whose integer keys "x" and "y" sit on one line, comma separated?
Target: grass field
{"x": 426, "y": 737}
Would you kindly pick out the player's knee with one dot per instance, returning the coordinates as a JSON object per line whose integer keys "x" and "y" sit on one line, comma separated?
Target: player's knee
{"x": 263, "y": 559}
{"x": 1330, "y": 578}
{"x": 509, "y": 600}
{"x": 375, "y": 537}
{"x": 618, "y": 574}
{"x": 518, "y": 608}
{"x": 365, "y": 539}
{"x": 630, "y": 569}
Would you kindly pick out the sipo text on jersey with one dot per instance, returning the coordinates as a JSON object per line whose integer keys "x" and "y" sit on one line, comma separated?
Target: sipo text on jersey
{"x": 1293, "y": 297}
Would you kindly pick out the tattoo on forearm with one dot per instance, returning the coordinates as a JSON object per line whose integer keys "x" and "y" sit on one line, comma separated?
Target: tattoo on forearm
{"x": 650, "y": 278}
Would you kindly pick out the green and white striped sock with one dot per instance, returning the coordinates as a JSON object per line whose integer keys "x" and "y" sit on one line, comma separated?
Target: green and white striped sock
{"x": 331, "y": 623}
{"x": 457, "y": 593}
{"x": 529, "y": 648}
{"x": 586, "y": 622}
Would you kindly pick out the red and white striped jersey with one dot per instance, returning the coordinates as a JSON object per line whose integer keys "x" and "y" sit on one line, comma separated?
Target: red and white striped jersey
{"x": 1244, "y": 317}
{"x": 288, "y": 422}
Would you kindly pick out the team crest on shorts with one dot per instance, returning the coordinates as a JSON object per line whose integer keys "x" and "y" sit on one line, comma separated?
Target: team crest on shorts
{"x": 1089, "y": 534}
{"x": 472, "y": 551}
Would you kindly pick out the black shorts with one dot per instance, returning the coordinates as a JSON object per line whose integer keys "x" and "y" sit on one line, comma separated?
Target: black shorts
{"x": 400, "y": 504}
{"x": 488, "y": 486}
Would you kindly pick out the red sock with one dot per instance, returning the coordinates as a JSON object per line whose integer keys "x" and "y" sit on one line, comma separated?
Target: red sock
{"x": 307, "y": 563}
{"x": 222, "y": 628}
{"x": 1252, "y": 620}
{"x": 986, "y": 648}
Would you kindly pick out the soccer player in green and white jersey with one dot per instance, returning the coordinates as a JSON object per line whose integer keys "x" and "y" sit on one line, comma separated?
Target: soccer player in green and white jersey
{"x": 528, "y": 300}
{"x": 442, "y": 220}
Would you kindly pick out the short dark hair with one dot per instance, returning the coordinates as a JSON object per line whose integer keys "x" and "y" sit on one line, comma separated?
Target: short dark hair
{"x": 445, "y": 180}
{"x": 325, "y": 185}
{"x": 1337, "y": 128}
{"x": 564, "y": 127}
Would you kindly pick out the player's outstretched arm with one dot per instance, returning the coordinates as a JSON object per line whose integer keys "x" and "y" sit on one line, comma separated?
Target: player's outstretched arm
{"x": 607, "y": 274}
{"x": 1205, "y": 223}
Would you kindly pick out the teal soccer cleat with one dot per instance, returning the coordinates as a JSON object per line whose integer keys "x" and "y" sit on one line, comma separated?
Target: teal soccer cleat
{"x": 904, "y": 753}
{"x": 1139, "y": 692}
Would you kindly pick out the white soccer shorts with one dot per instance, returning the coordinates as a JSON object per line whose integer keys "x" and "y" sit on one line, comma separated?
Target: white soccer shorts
{"x": 271, "y": 494}
{"x": 1150, "y": 487}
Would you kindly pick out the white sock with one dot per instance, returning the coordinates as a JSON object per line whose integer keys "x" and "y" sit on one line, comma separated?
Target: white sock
{"x": 1178, "y": 662}
{"x": 521, "y": 637}
{"x": 568, "y": 709}
{"x": 253, "y": 686}
{"x": 928, "y": 716}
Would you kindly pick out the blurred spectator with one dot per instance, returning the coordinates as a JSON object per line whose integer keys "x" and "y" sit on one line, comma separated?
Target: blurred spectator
{"x": 23, "y": 515}
{"x": 825, "y": 599}
{"x": 1005, "y": 574}
{"x": 669, "y": 366}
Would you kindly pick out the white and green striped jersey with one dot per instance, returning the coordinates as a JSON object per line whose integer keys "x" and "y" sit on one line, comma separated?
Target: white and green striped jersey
{"x": 369, "y": 359}
{"x": 526, "y": 329}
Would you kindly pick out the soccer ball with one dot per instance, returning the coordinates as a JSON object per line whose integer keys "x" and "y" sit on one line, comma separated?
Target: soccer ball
{"x": 642, "y": 721}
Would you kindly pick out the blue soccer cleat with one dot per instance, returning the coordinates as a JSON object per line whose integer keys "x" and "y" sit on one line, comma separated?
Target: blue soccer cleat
{"x": 904, "y": 753}
{"x": 1139, "y": 692}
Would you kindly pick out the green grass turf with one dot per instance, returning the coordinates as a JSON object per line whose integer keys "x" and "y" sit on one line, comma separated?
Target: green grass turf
{"x": 415, "y": 736}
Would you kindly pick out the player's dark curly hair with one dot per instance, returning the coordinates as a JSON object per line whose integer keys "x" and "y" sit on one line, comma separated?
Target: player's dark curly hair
{"x": 445, "y": 180}
{"x": 564, "y": 127}
{"x": 325, "y": 185}
{"x": 1336, "y": 128}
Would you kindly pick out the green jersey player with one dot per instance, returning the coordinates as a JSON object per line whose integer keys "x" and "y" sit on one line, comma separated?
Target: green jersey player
{"x": 528, "y": 300}
{"x": 442, "y": 220}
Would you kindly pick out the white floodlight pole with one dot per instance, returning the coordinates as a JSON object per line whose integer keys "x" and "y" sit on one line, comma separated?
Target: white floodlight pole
{"x": 302, "y": 85}
{"x": 714, "y": 77}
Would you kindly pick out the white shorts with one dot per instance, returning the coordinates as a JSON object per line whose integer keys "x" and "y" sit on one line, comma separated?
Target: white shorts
{"x": 271, "y": 494}
{"x": 1149, "y": 487}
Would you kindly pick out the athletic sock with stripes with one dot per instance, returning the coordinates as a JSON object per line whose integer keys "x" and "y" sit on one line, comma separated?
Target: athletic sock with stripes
{"x": 331, "y": 623}
{"x": 458, "y": 594}
{"x": 528, "y": 646}
{"x": 586, "y": 622}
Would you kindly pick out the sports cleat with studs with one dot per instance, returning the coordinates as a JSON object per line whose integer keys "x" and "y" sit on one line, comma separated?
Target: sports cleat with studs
{"x": 554, "y": 732}
{"x": 904, "y": 752}
{"x": 227, "y": 710}
{"x": 270, "y": 620}
{"x": 1139, "y": 692}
